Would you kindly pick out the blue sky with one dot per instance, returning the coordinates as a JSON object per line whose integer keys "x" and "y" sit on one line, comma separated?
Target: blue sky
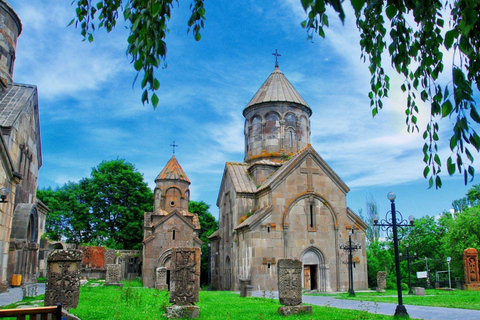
{"x": 89, "y": 110}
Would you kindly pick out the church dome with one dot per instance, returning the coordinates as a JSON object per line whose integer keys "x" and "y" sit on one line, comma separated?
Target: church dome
{"x": 277, "y": 121}
{"x": 277, "y": 88}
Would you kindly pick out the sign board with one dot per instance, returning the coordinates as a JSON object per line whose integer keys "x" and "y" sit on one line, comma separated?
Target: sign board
{"x": 421, "y": 274}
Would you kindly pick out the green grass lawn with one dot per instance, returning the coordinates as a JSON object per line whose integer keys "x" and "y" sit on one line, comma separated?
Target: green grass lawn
{"x": 433, "y": 298}
{"x": 141, "y": 303}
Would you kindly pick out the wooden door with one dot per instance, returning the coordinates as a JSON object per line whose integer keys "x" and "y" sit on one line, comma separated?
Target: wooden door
{"x": 306, "y": 277}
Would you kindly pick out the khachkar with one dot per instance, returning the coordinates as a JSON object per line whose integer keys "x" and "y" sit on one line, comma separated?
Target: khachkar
{"x": 381, "y": 281}
{"x": 161, "y": 278}
{"x": 63, "y": 278}
{"x": 113, "y": 275}
{"x": 184, "y": 283}
{"x": 470, "y": 260}
{"x": 290, "y": 287}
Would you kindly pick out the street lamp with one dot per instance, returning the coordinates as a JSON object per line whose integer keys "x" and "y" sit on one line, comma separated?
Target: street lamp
{"x": 449, "y": 279}
{"x": 3, "y": 195}
{"x": 394, "y": 222}
{"x": 350, "y": 247}
{"x": 410, "y": 291}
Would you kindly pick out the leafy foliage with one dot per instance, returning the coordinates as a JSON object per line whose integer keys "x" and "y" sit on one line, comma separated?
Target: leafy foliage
{"x": 416, "y": 54}
{"x": 105, "y": 209}
{"x": 147, "y": 21}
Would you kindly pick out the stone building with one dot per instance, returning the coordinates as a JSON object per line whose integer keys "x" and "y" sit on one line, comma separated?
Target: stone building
{"x": 22, "y": 217}
{"x": 170, "y": 225}
{"x": 283, "y": 202}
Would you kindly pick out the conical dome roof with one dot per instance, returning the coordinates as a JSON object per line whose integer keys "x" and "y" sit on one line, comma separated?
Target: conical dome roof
{"x": 277, "y": 88}
{"x": 172, "y": 171}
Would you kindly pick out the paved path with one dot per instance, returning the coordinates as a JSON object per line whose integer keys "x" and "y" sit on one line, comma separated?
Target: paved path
{"x": 15, "y": 294}
{"x": 418, "y": 312}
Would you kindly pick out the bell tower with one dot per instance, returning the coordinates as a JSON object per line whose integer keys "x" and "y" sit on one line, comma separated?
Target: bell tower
{"x": 277, "y": 121}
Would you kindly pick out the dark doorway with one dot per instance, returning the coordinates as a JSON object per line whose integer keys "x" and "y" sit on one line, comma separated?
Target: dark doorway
{"x": 313, "y": 277}
{"x": 168, "y": 279}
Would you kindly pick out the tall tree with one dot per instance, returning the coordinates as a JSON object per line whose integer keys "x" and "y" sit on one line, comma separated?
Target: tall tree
{"x": 208, "y": 225}
{"x": 118, "y": 198}
{"x": 105, "y": 209}
{"x": 415, "y": 50}
{"x": 373, "y": 232}
{"x": 68, "y": 219}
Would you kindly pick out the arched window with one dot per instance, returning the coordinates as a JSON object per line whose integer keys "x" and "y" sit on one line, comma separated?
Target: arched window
{"x": 172, "y": 197}
{"x": 256, "y": 128}
{"x": 290, "y": 120}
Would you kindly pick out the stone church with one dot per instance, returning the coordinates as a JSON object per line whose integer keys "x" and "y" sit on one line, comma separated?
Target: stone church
{"x": 283, "y": 201}
{"x": 22, "y": 217}
{"x": 170, "y": 225}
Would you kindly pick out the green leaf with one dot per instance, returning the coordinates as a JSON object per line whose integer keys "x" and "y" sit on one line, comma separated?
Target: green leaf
{"x": 157, "y": 6}
{"x": 438, "y": 182}
{"x": 145, "y": 96}
{"x": 391, "y": 11}
{"x": 357, "y": 5}
{"x": 450, "y": 166}
{"x": 446, "y": 108}
{"x": 155, "y": 100}
{"x": 449, "y": 38}
{"x": 156, "y": 84}
{"x": 138, "y": 65}
{"x": 474, "y": 114}
{"x": 426, "y": 171}
{"x": 198, "y": 36}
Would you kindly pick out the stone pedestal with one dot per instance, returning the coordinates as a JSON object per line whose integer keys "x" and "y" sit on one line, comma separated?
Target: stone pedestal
{"x": 291, "y": 310}
{"x": 182, "y": 312}
{"x": 381, "y": 281}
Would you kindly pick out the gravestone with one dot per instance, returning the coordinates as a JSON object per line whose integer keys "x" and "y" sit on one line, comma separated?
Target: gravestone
{"x": 109, "y": 256}
{"x": 244, "y": 284}
{"x": 113, "y": 275}
{"x": 63, "y": 278}
{"x": 470, "y": 261}
{"x": 290, "y": 287}
{"x": 161, "y": 278}
{"x": 419, "y": 291}
{"x": 381, "y": 281}
{"x": 184, "y": 283}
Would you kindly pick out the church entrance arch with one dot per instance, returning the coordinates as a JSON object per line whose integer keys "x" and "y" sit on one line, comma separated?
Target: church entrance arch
{"x": 164, "y": 261}
{"x": 314, "y": 273}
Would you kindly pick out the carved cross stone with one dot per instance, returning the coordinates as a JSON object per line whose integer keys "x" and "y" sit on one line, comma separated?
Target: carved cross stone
{"x": 310, "y": 171}
{"x": 290, "y": 282}
{"x": 63, "y": 278}
{"x": 185, "y": 276}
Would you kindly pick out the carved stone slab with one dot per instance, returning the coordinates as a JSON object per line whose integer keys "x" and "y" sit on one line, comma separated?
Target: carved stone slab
{"x": 185, "y": 276}
{"x": 381, "y": 281}
{"x": 161, "y": 278}
{"x": 290, "y": 282}
{"x": 470, "y": 261}
{"x": 113, "y": 274}
{"x": 63, "y": 278}
{"x": 109, "y": 256}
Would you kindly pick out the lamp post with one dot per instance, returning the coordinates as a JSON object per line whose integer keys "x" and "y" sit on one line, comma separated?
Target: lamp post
{"x": 209, "y": 266}
{"x": 350, "y": 247}
{"x": 394, "y": 222}
{"x": 3, "y": 195}
{"x": 449, "y": 279}
{"x": 410, "y": 291}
